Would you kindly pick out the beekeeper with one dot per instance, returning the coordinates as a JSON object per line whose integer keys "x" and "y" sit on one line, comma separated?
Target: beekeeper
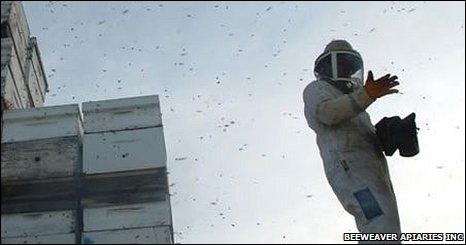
{"x": 354, "y": 163}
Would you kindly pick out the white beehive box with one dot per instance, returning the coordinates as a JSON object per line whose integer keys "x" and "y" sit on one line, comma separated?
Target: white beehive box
{"x": 35, "y": 75}
{"x": 41, "y": 123}
{"x": 148, "y": 235}
{"x": 14, "y": 22}
{"x": 124, "y": 150}
{"x": 129, "y": 216}
{"x": 14, "y": 90}
{"x": 47, "y": 239}
{"x": 40, "y": 143}
{"x": 122, "y": 114}
{"x": 41, "y": 159}
{"x": 38, "y": 224}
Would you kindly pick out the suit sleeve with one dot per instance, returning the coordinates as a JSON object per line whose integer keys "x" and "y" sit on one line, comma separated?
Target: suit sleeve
{"x": 330, "y": 110}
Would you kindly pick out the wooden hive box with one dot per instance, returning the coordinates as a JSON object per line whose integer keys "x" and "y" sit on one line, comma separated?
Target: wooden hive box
{"x": 41, "y": 159}
{"x": 125, "y": 188}
{"x": 39, "y": 227}
{"x": 68, "y": 238}
{"x": 126, "y": 197}
{"x": 52, "y": 194}
{"x": 42, "y": 123}
{"x": 41, "y": 143}
{"x": 146, "y": 235}
{"x": 123, "y": 135}
{"x": 125, "y": 216}
{"x": 124, "y": 150}
{"x": 122, "y": 114}
{"x": 148, "y": 222}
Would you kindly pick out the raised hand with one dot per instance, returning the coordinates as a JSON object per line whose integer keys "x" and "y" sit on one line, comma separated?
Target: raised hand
{"x": 380, "y": 87}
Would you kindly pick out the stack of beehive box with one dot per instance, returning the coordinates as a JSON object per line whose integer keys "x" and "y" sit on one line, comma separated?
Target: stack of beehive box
{"x": 23, "y": 81}
{"x": 40, "y": 167}
{"x": 125, "y": 197}
{"x": 100, "y": 179}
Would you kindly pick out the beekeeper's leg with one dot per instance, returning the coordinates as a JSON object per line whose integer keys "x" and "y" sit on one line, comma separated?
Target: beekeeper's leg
{"x": 373, "y": 205}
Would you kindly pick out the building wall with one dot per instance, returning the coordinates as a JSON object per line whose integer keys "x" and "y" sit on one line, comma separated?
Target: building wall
{"x": 23, "y": 80}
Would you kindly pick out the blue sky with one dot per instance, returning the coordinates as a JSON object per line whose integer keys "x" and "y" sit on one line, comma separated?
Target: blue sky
{"x": 230, "y": 77}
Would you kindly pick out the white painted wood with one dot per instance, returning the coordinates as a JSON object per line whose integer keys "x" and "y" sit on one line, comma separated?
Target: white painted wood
{"x": 14, "y": 19}
{"x": 5, "y": 10}
{"x": 14, "y": 9}
{"x": 128, "y": 187}
{"x": 37, "y": 95}
{"x": 124, "y": 150}
{"x": 48, "y": 239}
{"x": 14, "y": 83}
{"x": 127, "y": 216}
{"x": 9, "y": 92}
{"x": 19, "y": 48}
{"x": 41, "y": 159}
{"x": 22, "y": 22}
{"x": 19, "y": 81}
{"x": 150, "y": 235}
{"x": 120, "y": 114}
{"x": 7, "y": 49}
{"x": 35, "y": 74}
{"x": 39, "y": 223}
{"x": 41, "y": 123}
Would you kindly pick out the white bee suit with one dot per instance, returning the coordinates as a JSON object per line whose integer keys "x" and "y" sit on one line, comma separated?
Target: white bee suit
{"x": 354, "y": 165}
